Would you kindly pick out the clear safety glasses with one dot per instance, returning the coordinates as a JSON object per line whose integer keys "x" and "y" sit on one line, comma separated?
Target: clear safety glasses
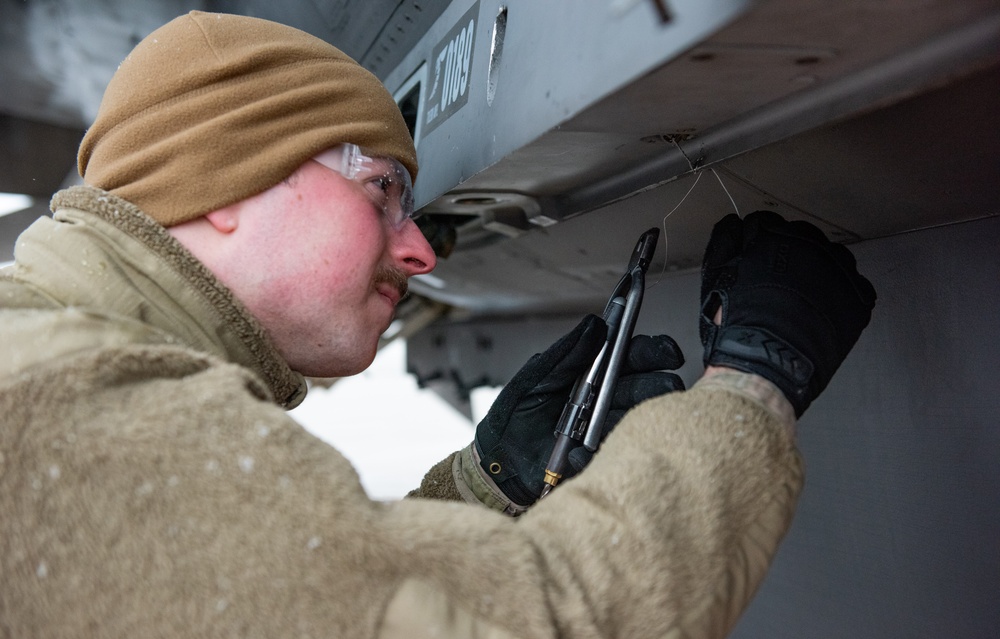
{"x": 385, "y": 180}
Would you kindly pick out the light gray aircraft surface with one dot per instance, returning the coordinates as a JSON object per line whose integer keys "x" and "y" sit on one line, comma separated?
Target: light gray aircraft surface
{"x": 551, "y": 133}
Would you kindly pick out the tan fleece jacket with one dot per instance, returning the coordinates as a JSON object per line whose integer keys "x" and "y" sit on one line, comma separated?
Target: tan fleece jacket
{"x": 152, "y": 486}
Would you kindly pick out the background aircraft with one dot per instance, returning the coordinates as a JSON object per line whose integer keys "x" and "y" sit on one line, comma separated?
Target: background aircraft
{"x": 552, "y": 133}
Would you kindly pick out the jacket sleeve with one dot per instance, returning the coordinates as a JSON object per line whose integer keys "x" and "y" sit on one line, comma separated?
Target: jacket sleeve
{"x": 183, "y": 504}
{"x": 669, "y": 532}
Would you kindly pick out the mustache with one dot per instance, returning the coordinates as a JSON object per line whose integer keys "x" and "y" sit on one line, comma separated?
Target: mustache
{"x": 393, "y": 276}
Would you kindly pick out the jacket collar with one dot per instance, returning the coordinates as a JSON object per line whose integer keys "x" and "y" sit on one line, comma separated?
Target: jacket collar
{"x": 102, "y": 252}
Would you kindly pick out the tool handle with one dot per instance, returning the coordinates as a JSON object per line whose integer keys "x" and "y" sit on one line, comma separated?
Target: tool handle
{"x": 578, "y": 423}
{"x": 595, "y": 426}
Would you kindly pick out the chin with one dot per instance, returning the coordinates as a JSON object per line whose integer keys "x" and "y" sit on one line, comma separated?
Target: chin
{"x": 344, "y": 366}
{"x": 340, "y": 359}
{"x": 352, "y": 365}
{"x": 360, "y": 367}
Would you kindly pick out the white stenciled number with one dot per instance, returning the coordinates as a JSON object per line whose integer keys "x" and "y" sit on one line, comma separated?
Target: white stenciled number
{"x": 456, "y": 57}
{"x": 457, "y": 73}
{"x": 466, "y": 55}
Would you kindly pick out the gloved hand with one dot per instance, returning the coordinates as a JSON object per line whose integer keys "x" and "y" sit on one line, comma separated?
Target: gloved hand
{"x": 516, "y": 437}
{"x": 793, "y": 303}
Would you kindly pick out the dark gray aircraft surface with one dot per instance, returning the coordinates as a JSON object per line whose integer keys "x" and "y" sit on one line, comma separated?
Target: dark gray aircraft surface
{"x": 551, "y": 133}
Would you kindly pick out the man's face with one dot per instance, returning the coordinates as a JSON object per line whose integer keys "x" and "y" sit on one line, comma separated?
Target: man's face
{"x": 324, "y": 268}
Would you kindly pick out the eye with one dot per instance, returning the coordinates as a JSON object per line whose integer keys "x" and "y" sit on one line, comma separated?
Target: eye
{"x": 380, "y": 186}
{"x": 386, "y": 190}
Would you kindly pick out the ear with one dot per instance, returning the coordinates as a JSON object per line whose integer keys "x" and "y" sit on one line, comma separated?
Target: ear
{"x": 225, "y": 220}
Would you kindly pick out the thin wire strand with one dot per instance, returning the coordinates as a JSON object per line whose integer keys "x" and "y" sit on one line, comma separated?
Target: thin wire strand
{"x": 731, "y": 200}
{"x": 698, "y": 174}
{"x": 673, "y": 140}
{"x": 666, "y": 245}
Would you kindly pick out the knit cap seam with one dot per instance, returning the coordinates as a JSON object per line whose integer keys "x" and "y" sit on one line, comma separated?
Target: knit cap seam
{"x": 204, "y": 35}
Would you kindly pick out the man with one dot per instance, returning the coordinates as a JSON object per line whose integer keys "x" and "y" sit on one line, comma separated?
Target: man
{"x": 246, "y": 222}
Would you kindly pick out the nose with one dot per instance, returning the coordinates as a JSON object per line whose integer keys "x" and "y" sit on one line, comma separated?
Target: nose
{"x": 411, "y": 251}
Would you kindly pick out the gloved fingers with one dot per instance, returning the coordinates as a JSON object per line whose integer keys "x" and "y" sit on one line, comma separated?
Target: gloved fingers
{"x": 578, "y": 459}
{"x": 793, "y": 304}
{"x": 725, "y": 243}
{"x": 843, "y": 257}
{"x": 722, "y": 255}
{"x": 633, "y": 389}
{"x": 771, "y": 222}
{"x": 848, "y": 265}
{"x": 553, "y": 371}
{"x": 515, "y": 440}
{"x": 864, "y": 288}
{"x": 564, "y": 361}
{"x": 614, "y": 416}
{"x": 801, "y": 231}
{"x": 652, "y": 353}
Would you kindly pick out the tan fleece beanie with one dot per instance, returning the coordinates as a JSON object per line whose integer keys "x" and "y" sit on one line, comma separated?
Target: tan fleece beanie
{"x": 210, "y": 109}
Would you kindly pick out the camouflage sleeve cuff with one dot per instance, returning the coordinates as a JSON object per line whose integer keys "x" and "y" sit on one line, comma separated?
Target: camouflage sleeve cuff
{"x": 476, "y": 487}
{"x": 438, "y": 483}
{"x": 756, "y": 389}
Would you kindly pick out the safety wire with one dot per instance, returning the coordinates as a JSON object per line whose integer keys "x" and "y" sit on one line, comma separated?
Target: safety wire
{"x": 698, "y": 173}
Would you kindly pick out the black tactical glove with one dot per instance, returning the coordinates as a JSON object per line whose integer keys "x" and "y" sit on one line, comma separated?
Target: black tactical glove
{"x": 516, "y": 437}
{"x": 793, "y": 303}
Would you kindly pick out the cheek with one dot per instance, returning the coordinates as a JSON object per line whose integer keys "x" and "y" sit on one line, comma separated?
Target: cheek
{"x": 325, "y": 240}
{"x": 325, "y": 273}
{"x": 340, "y": 279}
